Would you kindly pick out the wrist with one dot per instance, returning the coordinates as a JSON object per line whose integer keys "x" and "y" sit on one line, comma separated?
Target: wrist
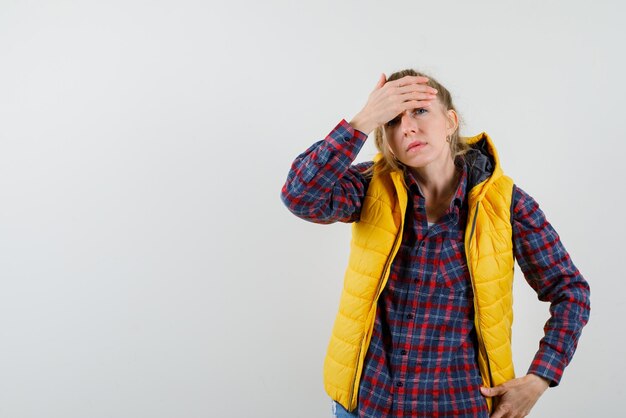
{"x": 361, "y": 123}
{"x": 540, "y": 381}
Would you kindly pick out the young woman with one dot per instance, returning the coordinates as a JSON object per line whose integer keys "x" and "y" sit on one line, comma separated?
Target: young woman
{"x": 424, "y": 322}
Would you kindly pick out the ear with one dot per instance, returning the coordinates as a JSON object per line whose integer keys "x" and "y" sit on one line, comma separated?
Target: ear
{"x": 452, "y": 121}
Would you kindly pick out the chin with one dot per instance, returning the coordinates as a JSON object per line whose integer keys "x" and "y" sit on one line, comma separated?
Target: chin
{"x": 416, "y": 162}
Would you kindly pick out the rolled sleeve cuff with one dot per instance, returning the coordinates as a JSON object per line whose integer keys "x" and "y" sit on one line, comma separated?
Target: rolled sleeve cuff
{"x": 548, "y": 364}
{"x": 345, "y": 138}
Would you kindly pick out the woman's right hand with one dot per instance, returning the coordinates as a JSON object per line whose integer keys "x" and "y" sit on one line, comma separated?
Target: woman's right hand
{"x": 389, "y": 99}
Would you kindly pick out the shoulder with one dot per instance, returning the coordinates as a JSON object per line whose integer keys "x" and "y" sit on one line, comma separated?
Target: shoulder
{"x": 522, "y": 199}
{"x": 525, "y": 209}
{"x": 361, "y": 172}
{"x": 362, "y": 167}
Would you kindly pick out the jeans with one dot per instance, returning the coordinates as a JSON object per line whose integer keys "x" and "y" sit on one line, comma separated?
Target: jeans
{"x": 341, "y": 412}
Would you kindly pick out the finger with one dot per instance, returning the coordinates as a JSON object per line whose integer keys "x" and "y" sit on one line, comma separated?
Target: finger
{"x": 418, "y": 96}
{"x": 494, "y": 391}
{"x": 381, "y": 81}
{"x": 498, "y": 413}
{"x": 415, "y": 104}
{"x": 416, "y": 87}
{"x": 409, "y": 79}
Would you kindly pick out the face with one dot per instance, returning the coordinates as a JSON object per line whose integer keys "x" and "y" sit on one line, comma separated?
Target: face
{"x": 417, "y": 137}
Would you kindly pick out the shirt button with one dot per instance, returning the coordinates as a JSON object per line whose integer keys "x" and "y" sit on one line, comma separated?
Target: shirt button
{"x": 399, "y": 384}
{"x": 403, "y": 352}
{"x": 409, "y": 316}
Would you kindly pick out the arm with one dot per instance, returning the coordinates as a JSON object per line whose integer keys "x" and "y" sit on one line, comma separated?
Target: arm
{"x": 323, "y": 186}
{"x": 549, "y": 270}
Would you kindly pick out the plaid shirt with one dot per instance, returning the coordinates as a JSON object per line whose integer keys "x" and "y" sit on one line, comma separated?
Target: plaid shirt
{"x": 422, "y": 357}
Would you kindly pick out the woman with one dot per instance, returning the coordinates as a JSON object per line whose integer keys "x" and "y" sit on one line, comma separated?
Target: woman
{"x": 424, "y": 322}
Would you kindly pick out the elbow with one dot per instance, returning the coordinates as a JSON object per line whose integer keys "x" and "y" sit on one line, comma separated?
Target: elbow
{"x": 292, "y": 200}
{"x": 580, "y": 300}
{"x": 297, "y": 204}
{"x": 588, "y": 300}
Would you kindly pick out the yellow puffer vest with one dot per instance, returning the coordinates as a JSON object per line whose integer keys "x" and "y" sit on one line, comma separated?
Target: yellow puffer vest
{"x": 375, "y": 241}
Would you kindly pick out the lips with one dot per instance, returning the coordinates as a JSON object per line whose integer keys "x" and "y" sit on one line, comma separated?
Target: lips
{"x": 415, "y": 144}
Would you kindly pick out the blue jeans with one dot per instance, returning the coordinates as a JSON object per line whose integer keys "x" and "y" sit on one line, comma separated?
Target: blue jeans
{"x": 341, "y": 412}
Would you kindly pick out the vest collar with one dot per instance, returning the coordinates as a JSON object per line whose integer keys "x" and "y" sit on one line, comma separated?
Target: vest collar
{"x": 483, "y": 165}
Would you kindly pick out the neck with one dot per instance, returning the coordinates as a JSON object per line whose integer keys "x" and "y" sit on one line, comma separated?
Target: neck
{"x": 437, "y": 181}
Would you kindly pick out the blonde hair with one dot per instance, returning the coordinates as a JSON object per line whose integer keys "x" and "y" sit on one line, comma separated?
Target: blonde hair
{"x": 388, "y": 162}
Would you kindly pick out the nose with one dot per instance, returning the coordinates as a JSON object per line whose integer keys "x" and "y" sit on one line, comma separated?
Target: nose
{"x": 408, "y": 124}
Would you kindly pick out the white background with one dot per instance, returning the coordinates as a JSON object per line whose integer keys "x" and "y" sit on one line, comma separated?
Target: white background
{"x": 147, "y": 265}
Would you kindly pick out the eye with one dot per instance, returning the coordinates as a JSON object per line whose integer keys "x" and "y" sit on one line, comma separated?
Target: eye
{"x": 420, "y": 111}
{"x": 392, "y": 122}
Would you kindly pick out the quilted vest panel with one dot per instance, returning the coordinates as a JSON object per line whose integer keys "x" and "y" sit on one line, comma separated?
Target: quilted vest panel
{"x": 375, "y": 241}
{"x": 490, "y": 260}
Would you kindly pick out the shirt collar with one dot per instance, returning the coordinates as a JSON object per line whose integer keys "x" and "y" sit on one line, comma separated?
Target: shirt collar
{"x": 459, "y": 195}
